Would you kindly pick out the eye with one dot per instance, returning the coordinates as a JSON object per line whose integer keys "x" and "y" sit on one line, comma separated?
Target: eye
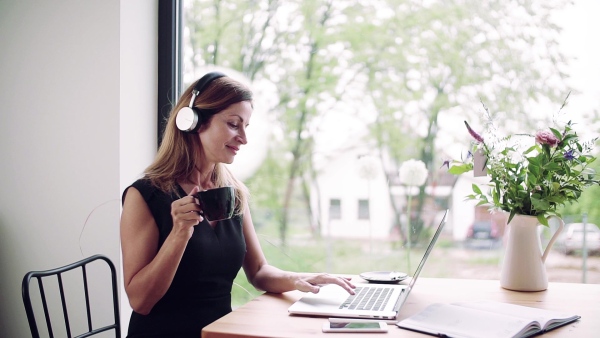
{"x": 233, "y": 125}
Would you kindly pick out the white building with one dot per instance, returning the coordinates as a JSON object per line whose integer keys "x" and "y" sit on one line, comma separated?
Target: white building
{"x": 351, "y": 196}
{"x": 351, "y": 193}
{"x": 463, "y": 214}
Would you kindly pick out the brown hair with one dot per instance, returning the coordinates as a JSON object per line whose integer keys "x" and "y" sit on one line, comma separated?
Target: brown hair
{"x": 178, "y": 151}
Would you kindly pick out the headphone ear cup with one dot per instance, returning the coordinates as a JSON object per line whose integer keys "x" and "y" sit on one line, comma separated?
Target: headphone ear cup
{"x": 187, "y": 119}
{"x": 201, "y": 118}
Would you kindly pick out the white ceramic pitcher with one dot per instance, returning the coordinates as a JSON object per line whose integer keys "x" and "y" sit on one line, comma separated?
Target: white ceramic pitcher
{"x": 524, "y": 265}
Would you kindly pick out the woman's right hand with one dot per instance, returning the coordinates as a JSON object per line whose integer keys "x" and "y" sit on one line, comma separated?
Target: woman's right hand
{"x": 186, "y": 214}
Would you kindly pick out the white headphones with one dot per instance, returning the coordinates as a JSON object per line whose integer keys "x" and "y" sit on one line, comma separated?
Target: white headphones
{"x": 189, "y": 119}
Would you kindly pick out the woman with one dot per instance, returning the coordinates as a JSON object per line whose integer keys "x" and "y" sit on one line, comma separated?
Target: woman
{"x": 178, "y": 267}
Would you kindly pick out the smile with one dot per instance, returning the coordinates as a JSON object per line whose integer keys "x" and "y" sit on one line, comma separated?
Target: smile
{"x": 233, "y": 149}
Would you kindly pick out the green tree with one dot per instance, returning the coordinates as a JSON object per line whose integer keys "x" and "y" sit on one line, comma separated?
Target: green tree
{"x": 416, "y": 64}
{"x": 441, "y": 58}
{"x": 587, "y": 203}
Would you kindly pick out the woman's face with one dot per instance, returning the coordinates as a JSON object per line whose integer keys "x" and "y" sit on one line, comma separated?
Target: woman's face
{"x": 222, "y": 137}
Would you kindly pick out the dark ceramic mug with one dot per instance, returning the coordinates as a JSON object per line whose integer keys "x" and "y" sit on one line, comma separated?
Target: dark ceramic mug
{"x": 217, "y": 204}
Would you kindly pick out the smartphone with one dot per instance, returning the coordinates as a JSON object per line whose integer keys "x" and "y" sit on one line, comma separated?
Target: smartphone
{"x": 354, "y": 325}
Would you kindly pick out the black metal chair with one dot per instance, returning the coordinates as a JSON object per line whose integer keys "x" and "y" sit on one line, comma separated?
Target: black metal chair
{"x": 55, "y": 279}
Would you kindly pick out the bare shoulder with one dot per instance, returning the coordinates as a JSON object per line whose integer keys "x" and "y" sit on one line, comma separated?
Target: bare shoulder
{"x": 136, "y": 213}
{"x": 134, "y": 201}
{"x": 139, "y": 234}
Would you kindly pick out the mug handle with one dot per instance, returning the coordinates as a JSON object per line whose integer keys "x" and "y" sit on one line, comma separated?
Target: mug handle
{"x": 561, "y": 226}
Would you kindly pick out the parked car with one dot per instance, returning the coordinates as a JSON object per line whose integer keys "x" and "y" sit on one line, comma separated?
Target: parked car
{"x": 483, "y": 230}
{"x": 483, "y": 235}
{"x": 572, "y": 238}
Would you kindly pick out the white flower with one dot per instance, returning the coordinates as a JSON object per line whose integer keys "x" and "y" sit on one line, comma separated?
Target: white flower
{"x": 413, "y": 173}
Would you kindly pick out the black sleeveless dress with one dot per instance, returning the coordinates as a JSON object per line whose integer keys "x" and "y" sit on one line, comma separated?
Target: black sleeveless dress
{"x": 201, "y": 289}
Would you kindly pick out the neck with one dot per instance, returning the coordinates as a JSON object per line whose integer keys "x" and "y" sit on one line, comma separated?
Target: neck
{"x": 204, "y": 176}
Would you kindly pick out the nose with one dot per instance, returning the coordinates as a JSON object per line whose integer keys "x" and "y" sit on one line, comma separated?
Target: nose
{"x": 241, "y": 137}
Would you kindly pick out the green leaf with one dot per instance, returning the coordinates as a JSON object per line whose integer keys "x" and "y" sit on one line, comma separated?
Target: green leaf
{"x": 460, "y": 169}
{"x": 476, "y": 189}
{"x": 532, "y": 148}
{"x": 542, "y": 219}
{"x": 556, "y": 133}
{"x": 510, "y": 217}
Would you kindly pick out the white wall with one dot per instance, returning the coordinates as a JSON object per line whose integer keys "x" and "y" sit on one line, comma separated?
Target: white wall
{"x": 463, "y": 211}
{"x": 340, "y": 179}
{"x": 139, "y": 31}
{"x": 77, "y": 78}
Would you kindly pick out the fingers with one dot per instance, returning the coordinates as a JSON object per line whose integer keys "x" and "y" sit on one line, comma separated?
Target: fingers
{"x": 193, "y": 194}
{"x": 194, "y": 191}
{"x": 313, "y": 283}
{"x": 305, "y": 286}
{"x": 186, "y": 211}
{"x": 186, "y": 205}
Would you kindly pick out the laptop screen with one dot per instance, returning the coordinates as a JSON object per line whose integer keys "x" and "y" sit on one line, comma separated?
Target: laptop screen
{"x": 423, "y": 260}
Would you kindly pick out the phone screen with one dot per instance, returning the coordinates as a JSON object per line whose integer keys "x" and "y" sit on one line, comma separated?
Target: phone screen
{"x": 365, "y": 325}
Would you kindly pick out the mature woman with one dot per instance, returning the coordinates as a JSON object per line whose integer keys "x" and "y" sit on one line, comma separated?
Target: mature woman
{"x": 178, "y": 267}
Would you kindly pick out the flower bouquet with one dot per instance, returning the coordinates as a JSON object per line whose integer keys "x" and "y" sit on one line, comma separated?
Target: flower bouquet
{"x": 530, "y": 174}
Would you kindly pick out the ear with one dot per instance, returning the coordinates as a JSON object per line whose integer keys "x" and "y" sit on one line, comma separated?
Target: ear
{"x": 204, "y": 121}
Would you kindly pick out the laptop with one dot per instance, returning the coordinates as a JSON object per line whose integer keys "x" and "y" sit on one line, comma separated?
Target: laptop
{"x": 371, "y": 301}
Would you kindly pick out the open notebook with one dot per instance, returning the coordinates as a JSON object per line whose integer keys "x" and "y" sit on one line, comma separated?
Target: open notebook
{"x": 371, "y": 301}
{"x": 486, "y": 319}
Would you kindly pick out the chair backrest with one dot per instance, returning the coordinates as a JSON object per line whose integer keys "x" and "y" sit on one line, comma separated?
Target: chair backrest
{"x": 55, "y": 280}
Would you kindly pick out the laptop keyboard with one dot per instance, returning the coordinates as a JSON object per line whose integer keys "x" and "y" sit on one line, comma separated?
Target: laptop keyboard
{"x": 368, "y": 298}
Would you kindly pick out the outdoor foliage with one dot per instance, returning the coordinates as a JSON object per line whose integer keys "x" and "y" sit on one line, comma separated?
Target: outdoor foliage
{"x": 398, "y": 67}
{"x": 587, "y": 204}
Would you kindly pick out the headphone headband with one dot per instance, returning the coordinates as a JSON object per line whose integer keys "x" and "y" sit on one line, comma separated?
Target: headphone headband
{"x": 189, "y": 119}
{"x": 206, "y": 80}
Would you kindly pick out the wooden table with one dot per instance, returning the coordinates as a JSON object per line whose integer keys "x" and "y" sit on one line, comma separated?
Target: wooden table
{"x": 267, "y": 316}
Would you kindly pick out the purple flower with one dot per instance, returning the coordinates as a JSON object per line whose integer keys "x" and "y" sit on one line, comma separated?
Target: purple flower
{"x": 569, "y": 155}
{"x": 546, "y": 137}
{"x": 446, "y": 164}
{"x": 476, "y": 136}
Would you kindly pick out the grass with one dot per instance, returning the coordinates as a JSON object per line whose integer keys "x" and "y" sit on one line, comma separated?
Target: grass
{"x": 492, "y": 260}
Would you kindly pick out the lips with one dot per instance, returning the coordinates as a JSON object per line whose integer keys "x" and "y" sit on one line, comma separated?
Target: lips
{"x": 233, "y": 149}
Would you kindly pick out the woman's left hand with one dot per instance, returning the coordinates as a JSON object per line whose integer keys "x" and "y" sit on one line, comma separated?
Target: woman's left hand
{"x": 313, "y": 283}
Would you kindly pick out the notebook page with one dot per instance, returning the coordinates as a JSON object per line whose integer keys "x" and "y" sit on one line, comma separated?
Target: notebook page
{"x": 457, "y": 321}
{"x": 542, "y": 316}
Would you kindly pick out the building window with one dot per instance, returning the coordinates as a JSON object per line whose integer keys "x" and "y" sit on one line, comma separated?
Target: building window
{"x": 335, "y": 209}
{"x": 363, "y": 209}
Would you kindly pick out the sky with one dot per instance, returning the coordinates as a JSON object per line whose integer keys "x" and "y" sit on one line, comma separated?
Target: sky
{"x": 580, "y": 39}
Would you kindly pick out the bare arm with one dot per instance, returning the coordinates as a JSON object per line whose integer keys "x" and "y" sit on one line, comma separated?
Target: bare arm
{"x": 271, "y": 279}
{"x": 148, "y": 271}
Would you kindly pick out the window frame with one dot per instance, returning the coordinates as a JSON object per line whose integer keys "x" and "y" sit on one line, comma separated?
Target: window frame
{"x": 169, "y": 56}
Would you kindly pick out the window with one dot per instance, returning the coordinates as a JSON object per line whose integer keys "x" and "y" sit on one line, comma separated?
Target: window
{"x": 335, "y": 209}
{"x": 363, "y": 209}
{"x": 339, "y": 81}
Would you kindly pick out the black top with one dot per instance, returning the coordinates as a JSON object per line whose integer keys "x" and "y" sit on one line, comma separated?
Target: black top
{"x": 201, "y": 289}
